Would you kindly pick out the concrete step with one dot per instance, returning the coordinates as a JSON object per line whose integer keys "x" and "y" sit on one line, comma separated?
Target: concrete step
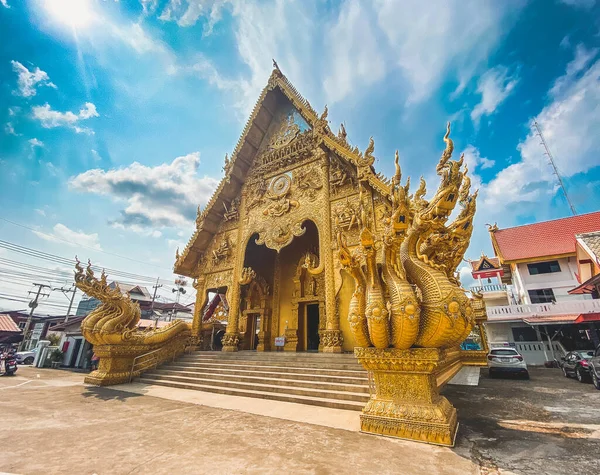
{"x": 306, "y": 382}
{"x": 287, "y": 397}
{"x": 351, "y": 365}
{"x": 266, "y": 366}
{"x": 274, "y": 388}
{"x": 273, "y": 373}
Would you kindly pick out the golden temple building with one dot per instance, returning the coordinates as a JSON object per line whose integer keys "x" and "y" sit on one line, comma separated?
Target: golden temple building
{"x": 304, "y": 247}
{"x": 289, "y": 187}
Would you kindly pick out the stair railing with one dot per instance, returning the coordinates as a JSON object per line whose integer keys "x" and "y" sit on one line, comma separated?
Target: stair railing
{"x": 144, "y": 362}
{"x": 151, "y": 360}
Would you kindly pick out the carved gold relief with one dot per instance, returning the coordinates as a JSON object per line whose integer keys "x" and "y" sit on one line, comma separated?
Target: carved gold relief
{"x": 280, "y": 235}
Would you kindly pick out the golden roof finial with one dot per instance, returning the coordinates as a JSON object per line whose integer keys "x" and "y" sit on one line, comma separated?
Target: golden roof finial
{"x": 398, "y": 174}
{"x": 276, "y": 66}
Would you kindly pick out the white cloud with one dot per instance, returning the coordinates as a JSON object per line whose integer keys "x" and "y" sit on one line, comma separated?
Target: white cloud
{"x": 27, "y": 81}
{"x": 188, "y": 12}
{"x": 495, "y": 85}
{"x": 475, "y": 161}
{"x": 585, "y": 4}
{"x": 356, "y": 58}
{"x": 434, "y": 40}
{"x": 63, "y": 234}
{"x": 96, "y": 155}
{"x": 5, "y": 3}
{"x": 9, "y": 129}
{"x": 41, "y": 212}
{"x": 570, "y": 124}
{"x": 35, "y": 143}
{"x": 156, "y": 197}
{"x": 50, "y": 118}
{"x": 582, "y": 59}
{"x": 331, "y": 55}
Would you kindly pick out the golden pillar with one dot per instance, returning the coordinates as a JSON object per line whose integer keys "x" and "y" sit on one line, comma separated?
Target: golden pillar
{"x": 331, "y": 337}
{"x": 200, "y": 286}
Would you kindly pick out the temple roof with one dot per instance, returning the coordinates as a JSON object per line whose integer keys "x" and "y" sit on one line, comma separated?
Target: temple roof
{"x": 485, "y": 263}
{"x": 591, "y": 241}
{"x": 545, "y": 240}
{"x": 237, "y": 167}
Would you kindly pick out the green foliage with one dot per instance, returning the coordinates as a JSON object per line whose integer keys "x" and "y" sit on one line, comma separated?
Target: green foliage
{"x": 53, "y": 338}
{"x": 56, "y": 355}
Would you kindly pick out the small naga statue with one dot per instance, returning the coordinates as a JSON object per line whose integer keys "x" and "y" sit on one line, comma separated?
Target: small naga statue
{"x": 112, "y": 328}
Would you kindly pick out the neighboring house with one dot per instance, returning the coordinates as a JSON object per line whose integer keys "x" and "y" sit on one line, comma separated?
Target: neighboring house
{"x": 137, "y": 293}
{"x": 588, "y": 265}
{"x": 40, "y": 325}
{"x": 9, "y": 330}
{"x": 528, "y": 288}
{"x": 75, "y": 348}
{"x": 173, "y": 311}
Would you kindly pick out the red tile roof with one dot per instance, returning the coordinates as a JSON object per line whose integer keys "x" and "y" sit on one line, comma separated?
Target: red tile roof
{"x": 7, "y": 324}
{"x": 545, "y": 239}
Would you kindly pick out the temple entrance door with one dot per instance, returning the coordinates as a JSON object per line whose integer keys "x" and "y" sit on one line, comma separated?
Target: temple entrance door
{"x": 308, "y": 327}
{"x": 251, "y": 335}
{"x": 312, "y": 327}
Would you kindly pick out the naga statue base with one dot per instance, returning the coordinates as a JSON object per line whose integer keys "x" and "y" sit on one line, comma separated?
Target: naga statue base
{"x": 405, "y": 400}
{"x": 117, "y": 361}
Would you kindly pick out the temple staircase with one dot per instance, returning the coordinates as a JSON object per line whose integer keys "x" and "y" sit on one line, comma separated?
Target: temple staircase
{"x": 319, "y": 379}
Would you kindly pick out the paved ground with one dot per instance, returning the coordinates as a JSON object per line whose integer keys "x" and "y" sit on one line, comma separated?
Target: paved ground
{"x": 51, "y": 423}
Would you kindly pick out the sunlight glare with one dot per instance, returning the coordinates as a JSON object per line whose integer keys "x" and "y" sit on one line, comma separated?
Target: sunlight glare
{"x": 74, "y": 13}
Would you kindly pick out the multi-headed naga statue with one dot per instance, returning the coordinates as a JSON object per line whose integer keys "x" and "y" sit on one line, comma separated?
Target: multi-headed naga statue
{"x": 411, "y": 314}
{"x": 112, "y": 328}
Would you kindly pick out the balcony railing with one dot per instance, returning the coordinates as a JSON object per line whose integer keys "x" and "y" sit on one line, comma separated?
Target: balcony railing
{"x": 489, "y": 288}
{"x": 558, "y": 308}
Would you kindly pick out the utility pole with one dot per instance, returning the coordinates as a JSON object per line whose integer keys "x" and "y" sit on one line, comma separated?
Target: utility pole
{"x": 155, "y": 287}
{"x": 33, "y": 304}
{"x": 180, "y": 283}
{"x": 552, "y": 162}
{"x": 65, "y": 292}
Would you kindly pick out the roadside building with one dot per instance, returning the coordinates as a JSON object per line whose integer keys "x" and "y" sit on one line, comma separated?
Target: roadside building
{"x": 39, "y": 329}
{"x": 9, "y": 331}
{"x": 137, "y": 293}
{"x": 529, "y": 287}
{"x": 169, "y": 311}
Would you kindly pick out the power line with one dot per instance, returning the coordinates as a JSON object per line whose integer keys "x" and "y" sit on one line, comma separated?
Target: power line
{"x": 554, "y": 167}
{"x": 71, "y": 262}
{"x": 79, "y": 244}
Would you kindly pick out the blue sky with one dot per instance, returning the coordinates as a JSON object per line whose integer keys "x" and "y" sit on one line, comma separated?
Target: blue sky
{"x": 116, "y": 115}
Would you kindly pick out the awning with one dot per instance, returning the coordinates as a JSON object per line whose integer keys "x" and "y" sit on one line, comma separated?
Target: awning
{"x": 588, "y": 317}
{"x": 551, "y": 319}
{"x": 587, "y": 287}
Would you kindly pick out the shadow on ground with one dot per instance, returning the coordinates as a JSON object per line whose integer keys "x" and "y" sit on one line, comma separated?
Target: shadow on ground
{"x": 108, "y": 394}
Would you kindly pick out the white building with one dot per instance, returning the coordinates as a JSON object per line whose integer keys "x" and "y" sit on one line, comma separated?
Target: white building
{"x": 526, "y": 289}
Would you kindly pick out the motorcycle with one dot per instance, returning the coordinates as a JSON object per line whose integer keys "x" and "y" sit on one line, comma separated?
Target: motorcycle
{"x": 10, "y": 364}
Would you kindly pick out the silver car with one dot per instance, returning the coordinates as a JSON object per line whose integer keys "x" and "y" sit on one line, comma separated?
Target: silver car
{"x": 25, "y": 357}
{"x": 594, "y": 365}
{"x": 506, "y": 360}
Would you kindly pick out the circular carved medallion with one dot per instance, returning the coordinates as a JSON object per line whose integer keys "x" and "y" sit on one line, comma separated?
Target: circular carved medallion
{"x": 280, "y": 185}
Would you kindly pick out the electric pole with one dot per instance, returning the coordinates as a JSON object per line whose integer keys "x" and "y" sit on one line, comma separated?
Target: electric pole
{"x": 65, "y": 292}
{"x": 155, "y": 287}
{"x": 551, "y": 159}
{"x": 33, "y": 304}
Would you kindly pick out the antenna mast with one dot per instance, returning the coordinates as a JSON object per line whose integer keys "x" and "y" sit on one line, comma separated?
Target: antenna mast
{"x": 551, "y": 159}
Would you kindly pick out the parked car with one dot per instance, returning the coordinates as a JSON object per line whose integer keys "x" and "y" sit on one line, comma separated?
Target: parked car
{"x": 26, "y": 357}
{"x": 506, "y": 360}
{"x": 576, "y": 363}
{"x": 594, "y": 365}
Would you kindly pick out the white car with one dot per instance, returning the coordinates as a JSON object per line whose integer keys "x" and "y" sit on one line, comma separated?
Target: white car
{"x": 25, "y": 357}
{"x": 506, "y": 360}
